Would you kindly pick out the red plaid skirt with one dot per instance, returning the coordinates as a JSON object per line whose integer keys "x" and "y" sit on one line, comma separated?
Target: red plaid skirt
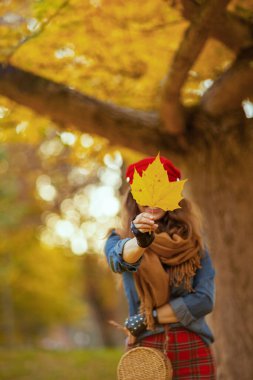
{"x": 190, "y": 356}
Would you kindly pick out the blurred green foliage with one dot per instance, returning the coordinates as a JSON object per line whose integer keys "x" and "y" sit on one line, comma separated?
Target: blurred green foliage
{"x": 45, "y": 365}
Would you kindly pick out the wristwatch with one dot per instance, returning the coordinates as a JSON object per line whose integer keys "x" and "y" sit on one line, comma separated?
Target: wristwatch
{"x": 155, "y": 316}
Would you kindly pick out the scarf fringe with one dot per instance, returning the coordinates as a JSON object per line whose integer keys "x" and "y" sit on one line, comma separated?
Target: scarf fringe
{"x": 149, "y": 319}
{"x": 182, "y": 273}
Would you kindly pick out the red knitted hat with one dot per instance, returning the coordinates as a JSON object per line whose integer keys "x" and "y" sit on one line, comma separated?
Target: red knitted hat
{"x": 140, "y": 166}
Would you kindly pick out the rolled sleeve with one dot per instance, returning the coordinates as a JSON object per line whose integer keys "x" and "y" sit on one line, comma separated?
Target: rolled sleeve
{"x": 182, "y": 312}
{"x": 114, "y": 253}
{"x": 199, "y": 303}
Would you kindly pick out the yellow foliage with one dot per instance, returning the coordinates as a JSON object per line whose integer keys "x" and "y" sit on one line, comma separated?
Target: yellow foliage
{"x": 113, "y": 52}
{"x": 107, "y": 49}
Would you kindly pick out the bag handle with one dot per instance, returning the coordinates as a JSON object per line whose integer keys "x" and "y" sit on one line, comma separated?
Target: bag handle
{"x": 167, "y": 339}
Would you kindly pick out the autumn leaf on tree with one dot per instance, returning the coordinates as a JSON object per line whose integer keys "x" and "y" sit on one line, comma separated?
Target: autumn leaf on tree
{"x": 154, "y": 188}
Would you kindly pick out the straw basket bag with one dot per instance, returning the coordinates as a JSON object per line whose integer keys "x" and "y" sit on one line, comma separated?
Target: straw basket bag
{"x": 144, "y": 363}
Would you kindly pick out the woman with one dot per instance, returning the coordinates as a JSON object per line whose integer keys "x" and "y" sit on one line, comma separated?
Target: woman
{"x": 168, "y": 279}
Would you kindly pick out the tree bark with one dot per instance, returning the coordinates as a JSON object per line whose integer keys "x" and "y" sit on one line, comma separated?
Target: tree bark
{"x": 66, "y": 106}
{"x": 191, "y": 46}
{"x": 234, "y": 86}
{"x": 234, "y": 32}
{"x": 221, "y": 184}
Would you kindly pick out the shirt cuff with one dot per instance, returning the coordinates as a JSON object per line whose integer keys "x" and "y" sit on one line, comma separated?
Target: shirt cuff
{"x": 182, "y": 312}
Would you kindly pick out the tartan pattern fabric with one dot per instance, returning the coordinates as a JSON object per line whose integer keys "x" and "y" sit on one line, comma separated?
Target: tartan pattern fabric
{"x": 191, "y": 357}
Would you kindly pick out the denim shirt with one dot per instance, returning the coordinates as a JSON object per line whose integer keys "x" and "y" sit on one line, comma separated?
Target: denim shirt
{"x": 190, "y": 308}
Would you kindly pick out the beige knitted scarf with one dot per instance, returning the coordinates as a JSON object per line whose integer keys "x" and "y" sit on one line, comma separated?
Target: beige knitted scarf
{"x": 153, "y": 282}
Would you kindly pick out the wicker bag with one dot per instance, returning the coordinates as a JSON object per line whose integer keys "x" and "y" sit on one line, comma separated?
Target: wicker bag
{"x": 144, "y": 363}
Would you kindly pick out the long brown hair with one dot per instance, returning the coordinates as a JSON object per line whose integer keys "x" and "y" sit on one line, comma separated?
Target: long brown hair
{"x": 184, "y": 220}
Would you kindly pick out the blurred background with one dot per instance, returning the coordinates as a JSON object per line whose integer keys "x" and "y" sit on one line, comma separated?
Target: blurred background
{"x": 61, "y": 183}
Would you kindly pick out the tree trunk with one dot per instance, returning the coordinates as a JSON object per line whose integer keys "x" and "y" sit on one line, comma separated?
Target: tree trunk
{"x": 221, "y": 184}
{"x": 107, "y": 303}
{"x": 6, "y": 303}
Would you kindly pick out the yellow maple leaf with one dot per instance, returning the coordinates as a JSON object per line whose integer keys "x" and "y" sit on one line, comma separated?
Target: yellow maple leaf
{"x": 154, "y": 189}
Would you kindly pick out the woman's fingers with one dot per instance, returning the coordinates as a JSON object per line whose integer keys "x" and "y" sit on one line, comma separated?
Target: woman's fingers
{"x": 145, "y": 228}
{"x": 146, "y": 215}
{"x": 144, "y": 218}
{"x": 144, "y": 223}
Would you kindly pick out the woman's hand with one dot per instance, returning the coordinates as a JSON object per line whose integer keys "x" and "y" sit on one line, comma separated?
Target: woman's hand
{"x": 143, "y": 228}
{"x": 144, "y": 222}
{"x": 165, "y": 314}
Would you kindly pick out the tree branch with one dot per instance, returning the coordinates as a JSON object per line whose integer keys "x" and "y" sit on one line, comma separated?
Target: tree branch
{"x": 233, "y": 31}
{"x": 235, "y": 85}
{"x": 190, "y": 48}
{"x": 66, "y": 106}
